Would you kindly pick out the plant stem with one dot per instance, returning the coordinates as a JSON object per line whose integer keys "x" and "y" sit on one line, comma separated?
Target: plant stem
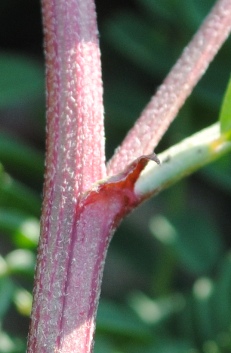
{"x": 75, "y": 137}
{"x": 182, "y": 159}
{"x": 74, "y": 160}
{"x": 177, "y": 86}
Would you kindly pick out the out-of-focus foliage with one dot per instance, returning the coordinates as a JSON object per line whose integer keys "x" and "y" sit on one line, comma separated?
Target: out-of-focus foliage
{"x": 167, "y": 281}
{"x": 225, "y": 110}
{"x": 21, "y": 79}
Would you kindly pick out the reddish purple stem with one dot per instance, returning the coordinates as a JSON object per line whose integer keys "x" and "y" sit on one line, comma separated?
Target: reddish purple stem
{"x": 177, "y": 86}
{"x": 74, "y": 160}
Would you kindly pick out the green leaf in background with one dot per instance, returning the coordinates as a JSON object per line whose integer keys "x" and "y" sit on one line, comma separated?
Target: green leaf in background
{"x": 9, "y": 344}
{"x": 207, "y": 316}
{"x": 202, "y": 308}
{"x": 143, "y": 48}
{"x": 104, "y": 345}
{"x": 23, "y": 301}
{"x": 21, "y": 261}
{"x": 121, "y": 320}
{"x": 218, "y": 173}
{"x": 15, "y": 195}
{"x": 191, "y": 12}
{"x": 154, "y": 312}
{"x": 7, "y": 289}
{"x": 21, "y": 79}
{"x": 225, "y": 113}
{"x": 16, "y": 156}
{"x": 222, "y": 296}
{"x": 192, "y": 236}
{"x": 23, "y": 228}
{"x": 171, "y": 346}
{"x": 208, "y": 94}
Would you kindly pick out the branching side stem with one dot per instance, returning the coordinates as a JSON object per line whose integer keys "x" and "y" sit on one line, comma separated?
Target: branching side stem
{"x": 165, "y": 104}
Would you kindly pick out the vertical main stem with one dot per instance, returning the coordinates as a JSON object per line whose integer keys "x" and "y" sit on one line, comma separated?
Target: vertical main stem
{"x": 87, "y": 254}
{"x": 67, "y": 293}
{"x": 69, "y": 253}
{"x": 75, "y": 136}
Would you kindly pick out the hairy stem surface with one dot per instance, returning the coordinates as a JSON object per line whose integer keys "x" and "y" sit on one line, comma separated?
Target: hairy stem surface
{"x": 74, "y": 160}
{"x": 177, "y": 86}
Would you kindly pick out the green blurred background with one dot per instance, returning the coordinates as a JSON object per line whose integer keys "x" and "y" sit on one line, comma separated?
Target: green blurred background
{"x": 167, "y": 280}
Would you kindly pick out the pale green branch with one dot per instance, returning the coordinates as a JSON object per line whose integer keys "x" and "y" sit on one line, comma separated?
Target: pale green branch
{"x": 183, "y": 159}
